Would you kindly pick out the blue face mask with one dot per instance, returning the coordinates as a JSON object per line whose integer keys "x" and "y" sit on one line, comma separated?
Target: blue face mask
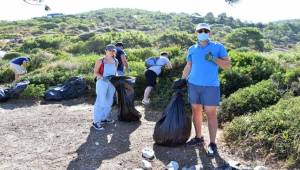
{"x": 203, "y": 36}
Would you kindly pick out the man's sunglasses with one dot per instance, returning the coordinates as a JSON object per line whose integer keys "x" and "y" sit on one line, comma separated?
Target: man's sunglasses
{"x": 203, "y": 30}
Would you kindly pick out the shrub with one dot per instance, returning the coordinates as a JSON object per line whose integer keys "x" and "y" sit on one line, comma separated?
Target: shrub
{"x": 140, "y": 54}
{"x": 131, "y": 39}
{"x": 53, "y": 74}
{"x": 231, "y": 81}
{"x": 34, "y": 91}
{"x": 247, "y": 68}
{"x": 288, "y": 81}
{"x": 272, "y": 130}
{"x": 6, "y": 74}
{"x": 174, "y": 51}
{"x": 43, "y": 42}
{"x": 248, "y": 100}
{"x": 86, "y": 36}
{"x": 182, "y": 39}
{"x": 254, "y": 64}
{"x": 95, "y": 45}
{"x": 49, "y": 26}
{"x": 38, "y": 59}
{"x": 11, "y": 55}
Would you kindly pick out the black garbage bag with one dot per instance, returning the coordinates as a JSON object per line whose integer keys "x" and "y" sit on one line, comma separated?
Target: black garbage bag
{"x": 179, "y": 84}
{"x": 71, "y": 88}
{"x": 124, "y": 88}
{"x": 17, "y": 89}
{"x": 3, "y": 95}
{"x": 13, "y": 91}
{"x": 174, "y": 127}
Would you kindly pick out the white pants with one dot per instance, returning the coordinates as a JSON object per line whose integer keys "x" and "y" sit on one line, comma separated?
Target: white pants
{"x": 17, "y": 68}
{"x": 105, "y": 93}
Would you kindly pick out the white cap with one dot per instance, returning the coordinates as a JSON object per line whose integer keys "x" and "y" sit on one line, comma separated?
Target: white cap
{"x": 202, "y": 26}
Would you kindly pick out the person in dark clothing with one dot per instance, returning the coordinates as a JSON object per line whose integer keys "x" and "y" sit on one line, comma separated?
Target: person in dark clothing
{"x": 152, "y": 72}
{"x": 18, "y": 65}
{"x": 122, "y": 59}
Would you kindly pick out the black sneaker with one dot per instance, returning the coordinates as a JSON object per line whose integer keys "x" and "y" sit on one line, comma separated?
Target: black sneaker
{"x": 109, "y": 121}
{"x": 98, "y": 126}
{"x": 195, "y": 141}
{"x": 212, "y": 150}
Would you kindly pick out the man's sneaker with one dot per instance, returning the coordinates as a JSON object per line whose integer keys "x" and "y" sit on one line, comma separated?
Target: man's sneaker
{"x": 98, "y": 126}
{"x": 212, "y": 150}
{"x": 108, "y": 121}
{"x": 146, "y": 102}
{"x": 195, "y": 141}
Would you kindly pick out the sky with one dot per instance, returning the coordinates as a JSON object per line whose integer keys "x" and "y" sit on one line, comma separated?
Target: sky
{"x": 245, "y": 10}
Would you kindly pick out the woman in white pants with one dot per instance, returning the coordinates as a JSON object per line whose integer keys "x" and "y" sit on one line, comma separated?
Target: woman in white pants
{"x": 105, "y": 91}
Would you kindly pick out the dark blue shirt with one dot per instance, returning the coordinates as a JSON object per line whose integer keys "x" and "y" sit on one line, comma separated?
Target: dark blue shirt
{"x": 119, "y": 53}
{"x": 19, "y": 60}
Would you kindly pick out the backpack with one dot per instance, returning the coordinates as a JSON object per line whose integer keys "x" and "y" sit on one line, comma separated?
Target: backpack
{"x": 151, "y": 61}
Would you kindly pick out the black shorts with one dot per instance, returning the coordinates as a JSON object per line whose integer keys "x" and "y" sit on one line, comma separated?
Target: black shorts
{"x": 151, "y": 78}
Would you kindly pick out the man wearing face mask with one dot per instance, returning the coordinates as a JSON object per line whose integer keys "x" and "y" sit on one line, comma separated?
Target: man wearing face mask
{"x": 201, "y": 72}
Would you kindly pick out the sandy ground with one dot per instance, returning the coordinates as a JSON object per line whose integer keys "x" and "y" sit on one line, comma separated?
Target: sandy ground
{"x": 58, "y": 135}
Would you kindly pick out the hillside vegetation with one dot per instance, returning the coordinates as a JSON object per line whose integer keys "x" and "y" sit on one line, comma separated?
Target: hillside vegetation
{"x": 265, "y": 65}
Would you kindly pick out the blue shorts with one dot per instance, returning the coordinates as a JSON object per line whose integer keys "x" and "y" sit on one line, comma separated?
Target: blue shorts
{"x": 204, "y": 95}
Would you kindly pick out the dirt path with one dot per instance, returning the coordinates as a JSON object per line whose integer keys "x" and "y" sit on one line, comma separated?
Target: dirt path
{"x": 59, "y": 136}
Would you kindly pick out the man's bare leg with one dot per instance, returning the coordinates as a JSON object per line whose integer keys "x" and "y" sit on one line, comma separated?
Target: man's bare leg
{"x": 211, "y": 112}
{"x": 197, "y": 118}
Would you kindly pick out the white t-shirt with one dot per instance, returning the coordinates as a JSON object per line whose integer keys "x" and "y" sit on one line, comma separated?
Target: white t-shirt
{"x": 161, "y": 61}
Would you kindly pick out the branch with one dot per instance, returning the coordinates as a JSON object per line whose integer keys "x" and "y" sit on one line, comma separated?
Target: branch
{"x": 33, "y": 2}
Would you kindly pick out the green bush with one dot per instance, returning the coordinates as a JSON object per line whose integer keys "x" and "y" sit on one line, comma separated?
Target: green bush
{"x": 173, "y": 51}
{"x": 163, "y": 91}
{"x": 140, "y": 54}
{"x": 6, "y": 74}
{"x": 53, "y": 74}
{"x": 247, "y": 68}
{"x": 86, "y": 36}
{"x": 272, "y": 130}
{"x": 11, "y": 55}
{"x": 95, "y": 45}
{"x": 254, "y": 64}
{"x": 43, "y": 42}
{"x": 131, "y": 39}
{"x": 34, "y": 91}
{"x": 38, "y": 59}
{"x": 49, "y": 26}
{"x": 248, "y": 100}
{"x": 231, "y": 81}
{"x": 182, "y": 39}
{"x": 288, "y": 81}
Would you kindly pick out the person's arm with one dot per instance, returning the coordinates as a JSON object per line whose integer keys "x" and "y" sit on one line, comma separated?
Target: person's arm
{"x": 25, "y": 63}
{"x": 187, "y": 69}
{"x": 124, "y": 61}
{"x": 97, "y": 68}
{"x": 224, "y": 62}
{"x": 169, "y": 65}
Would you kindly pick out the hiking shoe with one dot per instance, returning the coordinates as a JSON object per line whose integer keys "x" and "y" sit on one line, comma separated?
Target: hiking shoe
{"x": 146, "y": 102}
{"x": 195, "y": 141}
{"x": 212, "y": 150}
{"x": 108, "y": 121}
{"x": 98, "y": 126}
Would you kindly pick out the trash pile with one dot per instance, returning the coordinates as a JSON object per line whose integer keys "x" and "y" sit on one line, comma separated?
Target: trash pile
{"x": 14, "y": 91}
